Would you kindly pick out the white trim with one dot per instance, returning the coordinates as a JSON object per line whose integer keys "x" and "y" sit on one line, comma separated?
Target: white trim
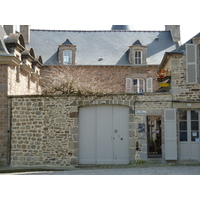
{"x": 138, "y": 58}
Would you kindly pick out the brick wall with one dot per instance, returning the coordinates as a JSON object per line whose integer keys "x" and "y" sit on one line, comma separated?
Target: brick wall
{"x": 104, "y": 78}
{"x": 45, "y": 128}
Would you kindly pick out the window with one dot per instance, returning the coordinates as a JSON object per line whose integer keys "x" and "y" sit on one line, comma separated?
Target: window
{"x": 67, "y": 57}
{"x": 189, "y": 125}
{"x": 138, "y": 58}
{"x": 137, "y": 85}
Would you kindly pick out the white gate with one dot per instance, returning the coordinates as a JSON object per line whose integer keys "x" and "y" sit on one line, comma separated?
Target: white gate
{"x": 103, "y": 135}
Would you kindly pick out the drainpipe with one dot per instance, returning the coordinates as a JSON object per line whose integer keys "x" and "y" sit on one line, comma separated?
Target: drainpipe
{"x": 9, "y": 131}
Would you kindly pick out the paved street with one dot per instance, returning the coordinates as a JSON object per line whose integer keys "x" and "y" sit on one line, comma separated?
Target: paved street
{"x": 158, "y": 170}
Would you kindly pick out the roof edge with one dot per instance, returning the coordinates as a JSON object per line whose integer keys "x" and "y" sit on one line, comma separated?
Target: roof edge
{"x": 49, "y": 30}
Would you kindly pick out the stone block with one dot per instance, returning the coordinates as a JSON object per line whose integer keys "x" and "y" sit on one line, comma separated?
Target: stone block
{"x": 74, "y": 130}
{"x": 73, "y": 115}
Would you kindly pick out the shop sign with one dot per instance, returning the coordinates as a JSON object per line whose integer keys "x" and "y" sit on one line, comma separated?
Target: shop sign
{"x": 141, "y": 112}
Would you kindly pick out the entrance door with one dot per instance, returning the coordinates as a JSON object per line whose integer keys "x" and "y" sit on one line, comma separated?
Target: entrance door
{"x": 189, "y": 145}
{"x": 154, "y": 136}
{"x": 103, "y": 135}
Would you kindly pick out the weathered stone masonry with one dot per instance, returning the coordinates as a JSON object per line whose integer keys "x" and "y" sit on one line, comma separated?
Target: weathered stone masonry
{"x": 4, "y": 135}
{"x": 45, "y": 129}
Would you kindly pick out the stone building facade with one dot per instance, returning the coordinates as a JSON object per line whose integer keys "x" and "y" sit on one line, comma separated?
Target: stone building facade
{"x": 19, "y": 74}
{"x": 45, "y": 129}
{"x": 145, "y": 76}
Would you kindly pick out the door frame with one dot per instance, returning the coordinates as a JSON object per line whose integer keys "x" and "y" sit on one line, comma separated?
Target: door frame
{"x": 189, "y": 146}
{"x": 154, "y": 147}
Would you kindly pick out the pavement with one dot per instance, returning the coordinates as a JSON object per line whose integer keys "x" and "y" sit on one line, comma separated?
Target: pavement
{"x": 143, "y": 169}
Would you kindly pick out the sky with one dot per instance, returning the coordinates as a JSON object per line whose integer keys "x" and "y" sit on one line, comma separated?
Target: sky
{"x": 102, "y": 14}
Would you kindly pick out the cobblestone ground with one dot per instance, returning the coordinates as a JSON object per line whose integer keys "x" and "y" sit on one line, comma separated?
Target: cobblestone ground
{"x": 158, "y": 170}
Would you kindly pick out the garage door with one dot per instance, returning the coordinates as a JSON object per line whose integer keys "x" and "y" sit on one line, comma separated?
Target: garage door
{"x": 103, "y": 135}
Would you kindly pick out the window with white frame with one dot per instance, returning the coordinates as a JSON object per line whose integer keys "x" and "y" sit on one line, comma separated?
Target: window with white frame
{"x": 67, "y": 57}
{"x": 138, "y": 57}
{"x": 137, "y": 85}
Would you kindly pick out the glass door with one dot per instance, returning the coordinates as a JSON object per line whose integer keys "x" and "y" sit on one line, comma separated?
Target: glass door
{"x": 189, "y": 134}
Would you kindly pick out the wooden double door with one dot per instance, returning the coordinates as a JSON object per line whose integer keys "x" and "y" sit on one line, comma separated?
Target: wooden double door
{"x": 104, "y": 134}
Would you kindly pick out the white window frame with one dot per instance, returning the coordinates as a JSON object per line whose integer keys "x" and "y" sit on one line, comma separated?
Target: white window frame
{"x": 138, "y": 57}
{"x": 67, "y": 57}
{"x": 138, "y": 85}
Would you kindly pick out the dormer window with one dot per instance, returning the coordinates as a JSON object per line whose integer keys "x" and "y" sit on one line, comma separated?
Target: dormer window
{"x": 66, "y": 53}
{"x": 138, "y": 57}
{"x": 67, "y": 57}
{"x": 137, "y": 53}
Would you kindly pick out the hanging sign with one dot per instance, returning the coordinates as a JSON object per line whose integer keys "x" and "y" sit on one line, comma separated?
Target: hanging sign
{"x": 164, "y": 84}
{"x": 163, "y": 78}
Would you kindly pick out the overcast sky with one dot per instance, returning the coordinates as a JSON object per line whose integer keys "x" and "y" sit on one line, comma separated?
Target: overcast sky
{"x": 102, "y": 14}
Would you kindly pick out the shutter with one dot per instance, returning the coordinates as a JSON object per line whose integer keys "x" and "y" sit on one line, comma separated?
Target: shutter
{"x": 129, "y": 85}
{"x": 149, "y": 84}
{"x": 191, "y": 64}
{"x": 170, "y": 134}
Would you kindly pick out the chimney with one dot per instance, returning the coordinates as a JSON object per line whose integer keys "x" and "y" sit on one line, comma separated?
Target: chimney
{"x": 9, "y": 29}
{"x": 175, "y": 32}
{"x": 23, "y": 29}
{"x": 120, "y": 28}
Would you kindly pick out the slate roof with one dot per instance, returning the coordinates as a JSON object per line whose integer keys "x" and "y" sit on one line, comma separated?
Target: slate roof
{"x": 3, "y": 49}
{"x": 111, "y": 46}
{"x": 136, "y": 43}
{"x": 67, "y": 42}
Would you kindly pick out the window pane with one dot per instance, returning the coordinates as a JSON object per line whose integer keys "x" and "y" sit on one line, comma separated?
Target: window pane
{"x": 183, "y": 115}
{"x": 194, "y": 115}
{"x": 194, "y": 125}
{"x": 141, "y": 85}
{"x": 138, "y": 57}
{"x": 183, "y": 136}
{"x": 183, "y": 125}
{"x": 66, "y": 57}
{"x": 195, "y": 136}
{"x": 135, "y": 81}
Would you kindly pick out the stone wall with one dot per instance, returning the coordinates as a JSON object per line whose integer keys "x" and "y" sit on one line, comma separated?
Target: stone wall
{"x": 45, "y": 129}
{"x": 4, "y": 134}
{"x": 180, "y": 90}
{"x": 21, "y": 82}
